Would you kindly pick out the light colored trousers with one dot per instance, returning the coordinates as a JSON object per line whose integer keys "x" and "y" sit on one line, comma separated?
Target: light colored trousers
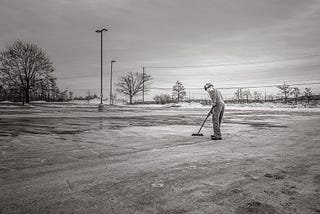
{"x": 217, "y": 114}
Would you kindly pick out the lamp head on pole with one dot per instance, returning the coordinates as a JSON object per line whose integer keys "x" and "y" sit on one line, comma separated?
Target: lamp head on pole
{"x": 113, "y": 61}
{"x": 100, "y": 31}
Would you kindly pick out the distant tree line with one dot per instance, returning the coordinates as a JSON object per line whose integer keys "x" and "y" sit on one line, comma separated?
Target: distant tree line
{"x": 286, "y": 94}
{"x": 90, "y": 96}
{"x": 26, "y": 74}
{"x": 244, "y": 95}
{"x": 131, "y": 85}
{"x": 286, "y": 91}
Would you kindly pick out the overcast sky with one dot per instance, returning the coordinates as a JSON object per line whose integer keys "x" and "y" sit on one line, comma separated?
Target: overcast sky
{"x": 171, "y": 33}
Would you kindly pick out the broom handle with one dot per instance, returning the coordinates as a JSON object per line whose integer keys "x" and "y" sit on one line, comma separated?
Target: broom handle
{"x": 209, "y": 113}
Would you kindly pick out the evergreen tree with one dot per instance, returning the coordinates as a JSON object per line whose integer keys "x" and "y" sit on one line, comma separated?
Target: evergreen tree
{"x": 179, "y": 91}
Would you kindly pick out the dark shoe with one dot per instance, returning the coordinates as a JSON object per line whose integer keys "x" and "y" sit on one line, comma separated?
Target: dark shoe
{"x": 215, "y": 138}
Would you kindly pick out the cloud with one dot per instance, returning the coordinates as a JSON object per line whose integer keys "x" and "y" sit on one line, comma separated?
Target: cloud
{"x": 167, "y": 32}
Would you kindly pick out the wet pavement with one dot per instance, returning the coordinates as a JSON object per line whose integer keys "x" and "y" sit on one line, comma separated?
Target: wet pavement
{"x": 66, "y": 159}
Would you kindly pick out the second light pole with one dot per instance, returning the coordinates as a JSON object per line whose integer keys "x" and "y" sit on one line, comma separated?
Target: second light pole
{"x": 111, "y": 97}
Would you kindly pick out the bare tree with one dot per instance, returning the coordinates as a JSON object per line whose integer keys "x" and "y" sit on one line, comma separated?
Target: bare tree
{"x": 70, "y": 95}
{"x": 270, "y": 97}
{"x": 113, "y": 98}
{"x": 91, "y": 96}
{"x": 286, "y": 90}
{"x": 296, "y": 93}
{"x": 257, "y": 95}
{"x": 308, "y": 94}
{"x": 3, "y": 90}
{"x": 53, "y": 92}
{"x": 133, "y": 84}
{"x": 178, "y": 91}
{"x": 23, "y": 65}
{"x": 238, "y": 94}
{"x": 246, "y": 94}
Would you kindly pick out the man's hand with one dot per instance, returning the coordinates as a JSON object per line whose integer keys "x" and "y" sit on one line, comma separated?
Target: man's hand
{"x": 211, "y": 110}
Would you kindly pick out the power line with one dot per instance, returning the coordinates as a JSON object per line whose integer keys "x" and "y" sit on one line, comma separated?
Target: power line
{"x": 231, "y": 87}
{"x": 236, "y": 87}
{"x": 201, "y": 66}
{"x": 234, "y": 64}
{"x": 95, "y": 76}
{"x": 84, "y": 76}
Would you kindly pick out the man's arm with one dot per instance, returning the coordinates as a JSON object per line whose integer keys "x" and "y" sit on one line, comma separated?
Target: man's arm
{"x": 213, "y": 96}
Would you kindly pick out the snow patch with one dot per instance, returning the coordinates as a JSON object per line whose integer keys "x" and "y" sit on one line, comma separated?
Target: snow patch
{"x": 85, "y": 102}
{"x": 273, "y": 106}
{"x": 6, "y": 101}
{"x": 249, "y": 106}
{"x": 191, "y": 105}
{"x": 187, "y": 105}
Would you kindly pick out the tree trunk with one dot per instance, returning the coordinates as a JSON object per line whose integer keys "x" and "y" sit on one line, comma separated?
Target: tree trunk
{"x": 178, "y": 93}
{"x": 27, "y": 95}
{"x": 22, "y": 97}
{"x": 285, "y": 97}
{"x": 130, "y": 100}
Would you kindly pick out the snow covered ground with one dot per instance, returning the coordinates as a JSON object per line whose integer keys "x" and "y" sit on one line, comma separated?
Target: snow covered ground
{"x": 181, "y": 105}
{"x": 250, "y": 106}
{"x": 274, "y": 106}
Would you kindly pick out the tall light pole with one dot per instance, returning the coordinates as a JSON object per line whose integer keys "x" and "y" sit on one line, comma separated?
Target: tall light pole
{"x": 101, "y": 95}
{"x": 111, "y": 99}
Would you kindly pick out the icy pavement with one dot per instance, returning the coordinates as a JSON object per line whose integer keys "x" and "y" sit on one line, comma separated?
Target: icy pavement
{"x": 144, "y": 160}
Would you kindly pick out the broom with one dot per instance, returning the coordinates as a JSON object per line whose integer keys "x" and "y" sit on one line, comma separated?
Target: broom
{"x": 198, "y": 134}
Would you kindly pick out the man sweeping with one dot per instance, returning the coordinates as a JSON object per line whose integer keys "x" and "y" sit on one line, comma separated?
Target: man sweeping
{"x": 217, "y": 110}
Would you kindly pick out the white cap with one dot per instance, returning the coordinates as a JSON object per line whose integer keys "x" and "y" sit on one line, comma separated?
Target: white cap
{"x": 207, "y": 85}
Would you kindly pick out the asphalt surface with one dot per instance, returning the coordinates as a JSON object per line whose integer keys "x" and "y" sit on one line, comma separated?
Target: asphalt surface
{"x": 66, "y": 159}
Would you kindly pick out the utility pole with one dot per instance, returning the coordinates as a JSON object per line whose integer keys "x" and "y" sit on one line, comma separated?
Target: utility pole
{"x": 178, "y": 91}
{"x": 111, "y": 98}
{"x": 143, "y": 84}
{"x": 100, "y": 108}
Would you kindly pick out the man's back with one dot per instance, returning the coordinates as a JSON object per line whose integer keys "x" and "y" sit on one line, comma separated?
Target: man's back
{"x": 216, "y": 96}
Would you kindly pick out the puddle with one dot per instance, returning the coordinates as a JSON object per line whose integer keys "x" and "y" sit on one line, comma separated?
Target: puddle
{"x": 256, "y": 207}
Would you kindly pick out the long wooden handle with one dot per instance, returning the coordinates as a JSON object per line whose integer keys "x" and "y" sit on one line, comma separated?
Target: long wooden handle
{"x": 205, "y": 119}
